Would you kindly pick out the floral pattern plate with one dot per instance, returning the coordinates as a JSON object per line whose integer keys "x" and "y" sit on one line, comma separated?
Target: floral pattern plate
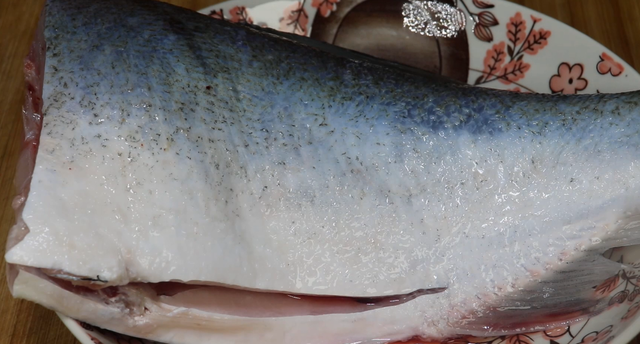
{"x": 503, "y": 46}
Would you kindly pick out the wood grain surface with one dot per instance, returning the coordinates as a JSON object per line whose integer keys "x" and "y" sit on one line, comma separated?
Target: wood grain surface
{"x": 613, "y": 23}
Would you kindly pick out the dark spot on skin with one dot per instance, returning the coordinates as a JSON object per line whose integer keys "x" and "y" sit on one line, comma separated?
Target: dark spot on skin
{"x": 208, "y": 88}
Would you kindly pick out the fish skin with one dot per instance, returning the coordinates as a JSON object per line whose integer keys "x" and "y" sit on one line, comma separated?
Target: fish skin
{"x": 409, "y": 133}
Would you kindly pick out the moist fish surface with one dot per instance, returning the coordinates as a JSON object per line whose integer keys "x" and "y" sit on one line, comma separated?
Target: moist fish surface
{"x": 193, "y": 181}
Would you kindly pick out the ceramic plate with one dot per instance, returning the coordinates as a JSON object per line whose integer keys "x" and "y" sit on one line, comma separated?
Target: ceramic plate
{"x": 504, "y": 46}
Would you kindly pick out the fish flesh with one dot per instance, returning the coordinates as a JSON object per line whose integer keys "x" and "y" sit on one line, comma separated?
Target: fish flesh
{"x": 189, "y": 180}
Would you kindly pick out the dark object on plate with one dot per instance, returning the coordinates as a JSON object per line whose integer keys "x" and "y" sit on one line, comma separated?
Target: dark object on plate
{"x": 374, "y": 27}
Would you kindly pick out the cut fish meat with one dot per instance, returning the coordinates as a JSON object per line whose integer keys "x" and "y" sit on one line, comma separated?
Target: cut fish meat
{"x": 189, "y": 180}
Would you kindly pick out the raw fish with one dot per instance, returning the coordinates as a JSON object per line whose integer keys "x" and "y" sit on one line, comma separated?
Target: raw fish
{"x": 189, "y": 180}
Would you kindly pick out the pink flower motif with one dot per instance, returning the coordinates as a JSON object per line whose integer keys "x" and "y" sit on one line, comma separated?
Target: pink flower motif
{"x": 536, "y": 40}
{"x": 513, "y": 71}
{"x": 569, "y": 79}
{"x": 239, "y": 15}
{"x": 608, "y": 65}
{"x": 516, "y": 29}
{"x": 609, "y": 285}
{"x": 494, "y": 59}
{"x": 555, "y": 333}
{"x": 216, "y": 14}
{"x": 633, "y": 310}
{"x": 325, "y": 6}
{"x": 295, "y": 19}
{"x": 505, "y": 61}
{"x": 596, "y": 337}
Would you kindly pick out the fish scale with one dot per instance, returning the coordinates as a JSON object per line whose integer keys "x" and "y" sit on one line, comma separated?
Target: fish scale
{"x": 176, "y": 148}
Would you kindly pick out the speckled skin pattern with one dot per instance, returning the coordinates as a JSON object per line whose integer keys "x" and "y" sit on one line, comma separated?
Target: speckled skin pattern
{"x": 179, "y": 147}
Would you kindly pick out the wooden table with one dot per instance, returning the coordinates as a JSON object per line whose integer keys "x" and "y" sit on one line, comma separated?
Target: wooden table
{"x": 613, "y": 23}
